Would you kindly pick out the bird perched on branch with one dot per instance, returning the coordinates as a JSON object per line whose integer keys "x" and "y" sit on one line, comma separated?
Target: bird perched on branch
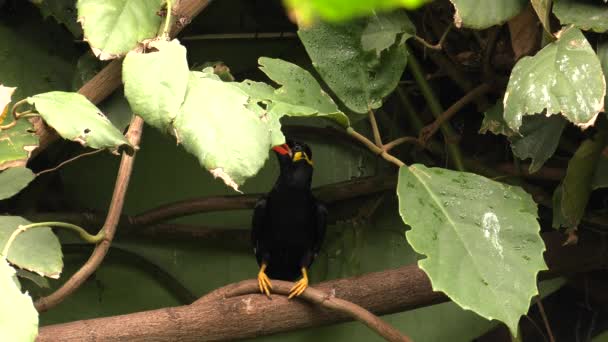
{"x": 288, "y": 223}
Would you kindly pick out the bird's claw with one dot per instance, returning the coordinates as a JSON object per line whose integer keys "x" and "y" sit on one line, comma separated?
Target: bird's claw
{"x": 299, "y": 287}
{"x": 264, "y": 283}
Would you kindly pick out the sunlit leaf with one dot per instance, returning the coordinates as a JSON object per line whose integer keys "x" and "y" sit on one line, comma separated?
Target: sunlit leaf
{"x": 155, "y": 82}
{"x": 586, "y": 15}
{"x": 113, "y": 27}
{"x": 6, "y": 94}
{"x": 480, "y": 238}
{"x": 76, "y": 118}
{"x": 18, "y": 317}
{"x": 37, "y": 249}
{"x": 481, "y": 14}
{"x": 339, "y": 10}
{"x": 14, "y": 180}
{"x": 214, "y": 124}
{"x": 564, "y": 77}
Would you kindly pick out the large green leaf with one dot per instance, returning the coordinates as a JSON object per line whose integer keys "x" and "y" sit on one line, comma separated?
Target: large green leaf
{"x": 37, "y": 249}
{"x": 564, "y": 77}
{"x": 76, "y": 118}
{"x": 216, "y": 125}
{"x": 577, "y": 185}
{"x": 361, "y": 79}
{"x": 18, "y": 317}
{"x": 14, "y": 180}
{"x": 155, "y": 83}
{"x": 481, "y": 14}
{"x": 480, "y": 238}
{"x": 339, "y": 10}
{"x": 539, "y": 139}
{"x": 113, "y": 27}
{"x": 586, "y": 15}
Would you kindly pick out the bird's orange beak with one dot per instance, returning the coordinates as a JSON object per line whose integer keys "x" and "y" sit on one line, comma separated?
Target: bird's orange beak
{"x": 282, "y": 150}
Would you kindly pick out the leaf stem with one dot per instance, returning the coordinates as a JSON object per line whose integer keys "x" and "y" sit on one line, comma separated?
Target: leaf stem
{"x": 84, "y": 235}
{"x": 167, "y": 27}
{"x": 435, "y": 106}
{"x": 375, "y": 130}
{"x": 372, "y": 147}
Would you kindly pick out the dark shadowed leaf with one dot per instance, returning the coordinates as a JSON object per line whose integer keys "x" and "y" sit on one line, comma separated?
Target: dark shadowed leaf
{"x": 539, "y": 139}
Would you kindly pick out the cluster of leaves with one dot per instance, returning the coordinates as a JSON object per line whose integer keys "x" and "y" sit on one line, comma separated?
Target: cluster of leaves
{"x": 480, "y": 237}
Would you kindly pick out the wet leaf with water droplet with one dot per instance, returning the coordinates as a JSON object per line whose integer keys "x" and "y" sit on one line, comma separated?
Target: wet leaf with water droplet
{"x": 486, "y": 231}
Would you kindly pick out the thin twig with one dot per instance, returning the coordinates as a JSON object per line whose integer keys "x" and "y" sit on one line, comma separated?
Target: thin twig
{"x": 167, "y": 27}
{"x": 375, "y": 130}
{"x": 372, "y": 147}
{"x": 427, "y": 132}
{"x": 392, "y": 144}
{"x": 439, "y": 44}
{"x": 322, "y": 299}
{"x": 68, "y": 161}
{"x": 541, "y": 309}
{"x": 109, "y": 227}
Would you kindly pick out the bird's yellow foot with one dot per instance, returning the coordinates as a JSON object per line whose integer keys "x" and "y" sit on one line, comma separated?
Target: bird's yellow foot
{"x": 264, "y": 281}
{"x": 300, "y": 286}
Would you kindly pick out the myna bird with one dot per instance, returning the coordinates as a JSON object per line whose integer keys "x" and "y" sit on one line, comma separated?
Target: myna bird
{"x": 288, "y": 223}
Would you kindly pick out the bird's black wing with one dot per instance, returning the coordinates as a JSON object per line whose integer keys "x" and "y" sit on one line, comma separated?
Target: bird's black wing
{"x": 257, "y": 228}
{"x": 321, "y": 223}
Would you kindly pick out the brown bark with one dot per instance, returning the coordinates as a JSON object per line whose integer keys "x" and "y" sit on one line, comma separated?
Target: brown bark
{"x": 216, "y": 317}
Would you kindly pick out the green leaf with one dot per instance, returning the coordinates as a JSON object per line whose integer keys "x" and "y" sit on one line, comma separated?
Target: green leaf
{"x": 539, "y": 139}
{"x": 384, "y": 31}
{"x": 155, "y": 82}
{"x": 63, "y": 11}
{"x": 114, "y": 27}
{"x": 576, "y": 186}
{"x": 340, "y": 10}
{"x": 37, "y": 250}
{"x": 216, "y": 125}
{"x": 586, "y": 15}
{"x": 481, "y": 14}
{"x": 361, "y": 79}
{"x": 602, "y": 54}
{"x": 558, "y": 221}
{"x": 16, "y": 144}
{"x": 18, "y": 317}
{"x": 299, "y": 95}
{"x": 14, "y": 180}
{"x": 543, "y": 11}
{"x": 494, "y": 122}
{"x": 76, "y": 118}
{"x": 564, "y": 77}
{"x": 600, "y": 175}
{"x": 480, "y": 238}
{"x": 40, "y": 281}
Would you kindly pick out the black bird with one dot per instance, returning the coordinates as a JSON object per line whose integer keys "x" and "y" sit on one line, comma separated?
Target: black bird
{"x": 289, "y": 223}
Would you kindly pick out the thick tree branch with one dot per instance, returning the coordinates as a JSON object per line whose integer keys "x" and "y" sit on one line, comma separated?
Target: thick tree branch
{"x": 110, "y": 78}
{"x": 383, "y": 292}
{"x": 109, "y": 227}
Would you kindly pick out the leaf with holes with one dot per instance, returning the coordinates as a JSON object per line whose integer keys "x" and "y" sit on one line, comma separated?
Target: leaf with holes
{"x": 16, "y": 145}
{"x": 361, "y": 79}
{"x": 18, "y": 317}
{"x": 76, "y": 118}
{"x": 216, "y": 125}
{"x": 482, "y": 14}
{"x": 114, "y": 27}
{"x": 480, "y": 238}
{"x": 564, "y": 77}
{"x": 155, "y": 82}
{"x": 14, "y": 180}
{"x": 586, "y": 15}
{"x": 37, "y": 250}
